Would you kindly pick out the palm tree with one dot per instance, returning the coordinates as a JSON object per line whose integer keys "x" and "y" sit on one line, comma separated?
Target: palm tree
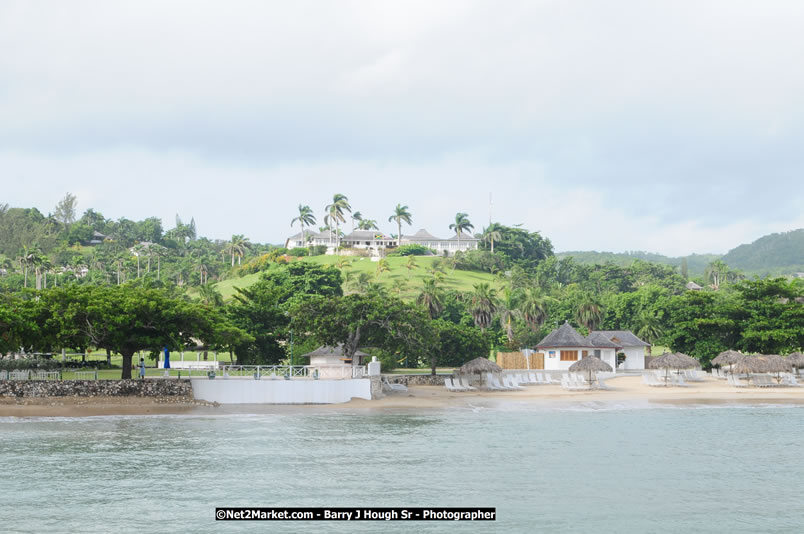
{"x": 483, "y": 304}
{"x": 368, "y": 224}
{"x": 335, "y": 211}
{"x": 399, "y": 285}
{"x": 648, "y": 328}
{"x": 461, "y": 225}
{"x": 590, "y": 313}
{"x": 210, "y": 296}
{"x": 508, "y": 313}
{"x": 343, "y": 263}
{"x": 401, "y": 214}
{"x": 382, "y": 267}
{"x": 411, "y": 264}
{"x": 431, "y": 298}
{"x": 358, "y": 282}
{"x": 490, "y": 235}
{"x": 119, "y": 260}
{"x": 534, "y": 308}
{"x": 237, "y": 247}
{"x": 356, "y": 216}
{"x": 305, "y": 218}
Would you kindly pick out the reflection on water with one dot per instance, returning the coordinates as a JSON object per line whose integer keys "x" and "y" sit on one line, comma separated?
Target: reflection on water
{"x": 602, "y": 470}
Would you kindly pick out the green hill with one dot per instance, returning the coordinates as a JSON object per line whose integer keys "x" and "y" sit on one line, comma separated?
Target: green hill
{"x": 457, "y": 280}
{"x": 770, "y": 255}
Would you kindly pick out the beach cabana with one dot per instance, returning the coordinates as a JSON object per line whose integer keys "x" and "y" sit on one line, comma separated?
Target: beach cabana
{"x": 669, "y": 360}
{"x": 479, "y": 366}
{"x": 727, "y": 357}
{"x": 796, "y": 360}
{"x": 689, "y": 359}
{"x": 589, "y": 365}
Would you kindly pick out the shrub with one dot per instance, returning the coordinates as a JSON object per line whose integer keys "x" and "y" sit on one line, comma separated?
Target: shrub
{"x": 411, "y": 250}
{"x": 29, "y": 363}
{"x": 298, "y": 251}
{"x": 318, "y": 250}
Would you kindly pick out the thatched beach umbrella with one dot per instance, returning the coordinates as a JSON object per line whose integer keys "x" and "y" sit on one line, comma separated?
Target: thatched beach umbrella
{"x": 589, "y": 364}
{"x": 728, "y": 357}
{"x": 668, "y": 361}
{"x": 777, "y": 364}
{"x": 479, "y": 366}
{"x": 796, "y": 360}
{"x": 689, "y": 359}
{"x": 761, "y": 363}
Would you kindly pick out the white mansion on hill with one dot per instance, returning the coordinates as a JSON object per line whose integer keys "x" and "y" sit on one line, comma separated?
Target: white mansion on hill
{"x": 375, "y": 241}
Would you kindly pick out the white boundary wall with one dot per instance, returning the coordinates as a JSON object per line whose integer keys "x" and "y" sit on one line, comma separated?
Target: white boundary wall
{"x": 235, "y": 391}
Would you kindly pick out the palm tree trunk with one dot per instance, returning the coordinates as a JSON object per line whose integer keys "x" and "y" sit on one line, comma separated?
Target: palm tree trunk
{"x": 399, "y": 238}
{"x": 232, "y": 257}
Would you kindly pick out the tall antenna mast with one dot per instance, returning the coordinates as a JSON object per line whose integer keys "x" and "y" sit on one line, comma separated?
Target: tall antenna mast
{"x": 490, "y": 204}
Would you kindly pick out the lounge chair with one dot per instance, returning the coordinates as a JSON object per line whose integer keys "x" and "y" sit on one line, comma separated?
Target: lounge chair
{"x": 734, "y": 381}
{"x": 790, "y": 380}
{"x": 650, "y": 379}
{"x": 464, "y": 383}
{"x": 510, "y": 383}
{"x": 678, "y": 380}
{"x": 601, "y": 384}
{"x": 493, "y": 384}
{"x": 692, "y": 375}
{"x": 450, "y": 385}
{"x": 533, "y": 379}
{"x": 395, "y": 388}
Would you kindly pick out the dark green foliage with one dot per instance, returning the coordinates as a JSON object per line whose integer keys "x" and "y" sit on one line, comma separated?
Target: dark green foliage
{"x": 411, "y": 250}
{"x": 262, "y": 310}
{"x": 519, "y": 246}
{"x": 458, "y": 344}
{"x": 480, "y": 260}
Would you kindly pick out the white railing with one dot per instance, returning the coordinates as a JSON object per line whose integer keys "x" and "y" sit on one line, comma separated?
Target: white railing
{"x": 85, "y": 375}
{"x": 260, "y": 372}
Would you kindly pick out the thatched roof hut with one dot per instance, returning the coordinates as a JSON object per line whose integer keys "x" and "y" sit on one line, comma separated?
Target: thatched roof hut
{"x": 478, "y": 366}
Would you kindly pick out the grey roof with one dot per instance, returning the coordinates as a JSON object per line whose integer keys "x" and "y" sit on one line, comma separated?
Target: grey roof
{"x": 599, "y": 341}
{"x": 563, "y": 336}
{"x": 421, "y": 235}
{"x": 464, "y": 237}
{"x": 366, "y": 235}
{"x": 623, "y": 338}
{"x": 693, "y": 286}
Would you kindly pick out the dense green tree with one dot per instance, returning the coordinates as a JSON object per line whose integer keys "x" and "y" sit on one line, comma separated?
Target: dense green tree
{"x": 375, "y": 319}
{"x": 457, "y": 344}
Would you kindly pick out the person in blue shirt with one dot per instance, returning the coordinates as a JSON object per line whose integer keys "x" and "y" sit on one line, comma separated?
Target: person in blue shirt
{"x": 142, "y": 368}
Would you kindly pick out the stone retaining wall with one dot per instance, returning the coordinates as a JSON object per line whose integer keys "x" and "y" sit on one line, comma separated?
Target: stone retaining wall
{"x": 416, "y": 380}
{"x": 96, "y": 388}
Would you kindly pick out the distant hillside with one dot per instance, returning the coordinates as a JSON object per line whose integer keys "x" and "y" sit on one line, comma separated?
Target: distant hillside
{"x": 772, "y": 254}
{"x": 696, "y": 263}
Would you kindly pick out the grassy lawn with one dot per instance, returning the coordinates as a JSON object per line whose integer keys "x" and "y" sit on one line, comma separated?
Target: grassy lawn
{"x": 413, "y": 280}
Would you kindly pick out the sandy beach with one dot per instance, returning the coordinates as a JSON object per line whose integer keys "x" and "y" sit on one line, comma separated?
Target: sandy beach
{"x": 624, "y": 390}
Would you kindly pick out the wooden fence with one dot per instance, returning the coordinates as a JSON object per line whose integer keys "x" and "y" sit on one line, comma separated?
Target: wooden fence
{"x": 517, "y": 360}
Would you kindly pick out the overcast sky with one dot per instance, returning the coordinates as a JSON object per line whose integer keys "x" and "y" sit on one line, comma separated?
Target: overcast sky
{"x": 672, "y": 127}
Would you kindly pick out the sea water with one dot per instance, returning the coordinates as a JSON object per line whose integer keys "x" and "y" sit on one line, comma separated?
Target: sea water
{"x": 594, "y": 468}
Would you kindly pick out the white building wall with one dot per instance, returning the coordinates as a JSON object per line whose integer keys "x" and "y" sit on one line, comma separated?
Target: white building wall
{"x": 552, "y": 357}
{"x": 245, "y": 391}
{"x": 634, "y": 358}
